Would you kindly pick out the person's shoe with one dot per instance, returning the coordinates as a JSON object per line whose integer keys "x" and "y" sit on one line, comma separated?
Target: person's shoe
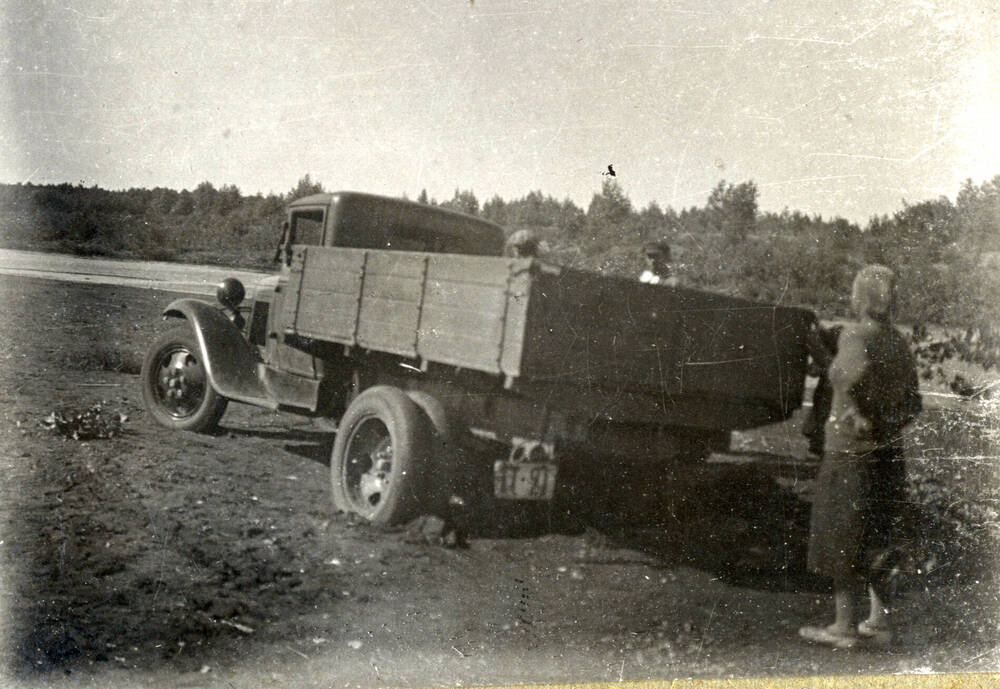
{"x": 828, "y": 637}
{"x": 880, "y": 635}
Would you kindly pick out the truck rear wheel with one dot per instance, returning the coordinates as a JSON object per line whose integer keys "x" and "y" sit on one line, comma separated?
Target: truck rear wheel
{"x": 379, "y": 459}
{"x": 175, "y": 385}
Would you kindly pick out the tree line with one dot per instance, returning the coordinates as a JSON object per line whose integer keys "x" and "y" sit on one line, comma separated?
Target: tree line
{"x": 944, "y": 251}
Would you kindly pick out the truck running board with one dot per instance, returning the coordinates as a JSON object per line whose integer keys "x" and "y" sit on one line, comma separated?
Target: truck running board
{"x": 288, "y": 389}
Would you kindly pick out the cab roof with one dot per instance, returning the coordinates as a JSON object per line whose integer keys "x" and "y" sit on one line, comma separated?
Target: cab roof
{"x": 352, "y": 204}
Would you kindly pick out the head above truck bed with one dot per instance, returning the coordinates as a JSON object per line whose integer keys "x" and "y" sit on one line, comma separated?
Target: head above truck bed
{"x": 367, "y": 221}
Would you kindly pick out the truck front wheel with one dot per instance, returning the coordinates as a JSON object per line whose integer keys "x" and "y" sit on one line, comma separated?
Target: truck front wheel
{"x": 175, "y": 385}
{"x": 379, "y": 458}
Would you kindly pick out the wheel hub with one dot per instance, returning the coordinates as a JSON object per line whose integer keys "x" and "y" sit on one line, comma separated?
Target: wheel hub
{"x": 180, "y": 382}
{"x": 368, "y": 471}
{"x": 375, "y": 481}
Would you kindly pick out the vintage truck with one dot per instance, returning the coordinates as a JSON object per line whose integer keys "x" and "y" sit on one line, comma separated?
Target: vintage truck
{"x": 448, "y": 370}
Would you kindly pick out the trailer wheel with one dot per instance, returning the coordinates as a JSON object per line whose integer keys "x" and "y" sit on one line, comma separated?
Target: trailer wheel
{"x": 379, "y": 459}
{"x": 175, "y": 384}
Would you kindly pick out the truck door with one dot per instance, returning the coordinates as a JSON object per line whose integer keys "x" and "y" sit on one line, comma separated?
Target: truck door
{"x": 305, "y": 227}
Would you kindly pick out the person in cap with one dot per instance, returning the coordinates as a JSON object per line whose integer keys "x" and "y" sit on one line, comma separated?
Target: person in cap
{"x": 521, "y": 244}
{"x": 859, "y": 490}
{"x": 657, "y": 270}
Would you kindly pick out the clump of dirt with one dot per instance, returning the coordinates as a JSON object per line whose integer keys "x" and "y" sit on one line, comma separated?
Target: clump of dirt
{"x": 95, "y": 423}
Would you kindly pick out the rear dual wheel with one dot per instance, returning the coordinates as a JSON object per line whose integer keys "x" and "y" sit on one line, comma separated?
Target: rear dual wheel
{"x": 378, "y": 467}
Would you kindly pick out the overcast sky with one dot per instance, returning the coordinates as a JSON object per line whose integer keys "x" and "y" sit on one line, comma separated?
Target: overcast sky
{"x": 838, "y": 108}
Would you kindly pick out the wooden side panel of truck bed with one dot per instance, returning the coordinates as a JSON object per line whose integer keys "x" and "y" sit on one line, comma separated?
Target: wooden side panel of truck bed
{"x": 540, "y": 325}
{"x": 619, "y": 334}
{"x": 465, "y": 311}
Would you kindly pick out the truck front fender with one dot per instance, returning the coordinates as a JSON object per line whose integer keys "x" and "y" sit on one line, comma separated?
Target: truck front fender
{"x": 230, "y": 361}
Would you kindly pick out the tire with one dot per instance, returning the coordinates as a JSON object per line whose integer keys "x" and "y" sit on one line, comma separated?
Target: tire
{"x": 175, "y": 385}
{"x": 380, "y": 456}
{"x": 443, "y": 426}
{"x": 449, "y": 471}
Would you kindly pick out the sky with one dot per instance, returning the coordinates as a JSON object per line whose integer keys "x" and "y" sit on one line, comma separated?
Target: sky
{"x": 834, "y": 108}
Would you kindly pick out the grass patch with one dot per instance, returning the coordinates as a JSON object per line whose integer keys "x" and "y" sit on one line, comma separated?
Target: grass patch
{"x": 954, "y": 485}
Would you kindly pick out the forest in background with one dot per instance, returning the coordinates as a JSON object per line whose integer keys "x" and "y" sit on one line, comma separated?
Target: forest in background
{"x": 944, "y": 251}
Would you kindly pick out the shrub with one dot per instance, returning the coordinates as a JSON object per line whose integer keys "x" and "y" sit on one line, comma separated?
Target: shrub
{"x": 954, "y": 480}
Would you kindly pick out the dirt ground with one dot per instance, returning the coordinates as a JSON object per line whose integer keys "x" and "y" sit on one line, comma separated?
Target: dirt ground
{"x": 176, "y": 560}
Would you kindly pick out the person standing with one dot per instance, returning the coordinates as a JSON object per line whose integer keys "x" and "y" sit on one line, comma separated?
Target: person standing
{"x": 657, "y": 270}
{"x": 860, "y": 486}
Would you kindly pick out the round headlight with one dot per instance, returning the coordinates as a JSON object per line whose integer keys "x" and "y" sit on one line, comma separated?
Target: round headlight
{"x": 230, "y": 292}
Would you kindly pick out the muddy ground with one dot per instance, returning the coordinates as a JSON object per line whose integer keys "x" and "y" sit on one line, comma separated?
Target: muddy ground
{"x": 162, "y": 559}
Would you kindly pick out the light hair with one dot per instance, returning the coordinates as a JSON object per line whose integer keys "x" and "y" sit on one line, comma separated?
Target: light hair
{"x": 873, "y": 293}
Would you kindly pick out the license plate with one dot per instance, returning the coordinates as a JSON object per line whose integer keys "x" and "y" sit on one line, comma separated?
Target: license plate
{"x": 524, "y": 480}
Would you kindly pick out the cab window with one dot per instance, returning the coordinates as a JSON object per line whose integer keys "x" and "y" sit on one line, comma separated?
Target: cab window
{"x": 307, "y": 227}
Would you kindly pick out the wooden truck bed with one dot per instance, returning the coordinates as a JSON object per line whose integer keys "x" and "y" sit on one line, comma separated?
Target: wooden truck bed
{"x": 575, "y": 335}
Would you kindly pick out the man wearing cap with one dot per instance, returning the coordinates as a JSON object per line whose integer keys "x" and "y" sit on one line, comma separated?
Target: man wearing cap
{"x": 521, "y": 244}
{"x": 658, "y": 265}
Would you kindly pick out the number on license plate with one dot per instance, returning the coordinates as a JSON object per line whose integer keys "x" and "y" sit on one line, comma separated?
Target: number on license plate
{"x": 524, "y": 480}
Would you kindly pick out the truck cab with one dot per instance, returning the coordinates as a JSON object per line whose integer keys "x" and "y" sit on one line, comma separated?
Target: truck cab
{"x": 366, "y": 221}
{"x": 349, "y": 220}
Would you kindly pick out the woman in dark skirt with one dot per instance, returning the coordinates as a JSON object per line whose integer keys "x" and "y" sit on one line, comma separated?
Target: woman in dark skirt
{"x": 860, "y": 485}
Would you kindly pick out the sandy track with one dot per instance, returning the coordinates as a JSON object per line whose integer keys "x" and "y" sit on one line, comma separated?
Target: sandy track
{"x": 175, "y": 277}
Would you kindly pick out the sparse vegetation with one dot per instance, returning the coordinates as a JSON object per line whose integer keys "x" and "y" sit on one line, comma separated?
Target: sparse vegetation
{"x": 975, "y": 346}
{"x": 941, "y": 249}
{"x": 954, "y": 484}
